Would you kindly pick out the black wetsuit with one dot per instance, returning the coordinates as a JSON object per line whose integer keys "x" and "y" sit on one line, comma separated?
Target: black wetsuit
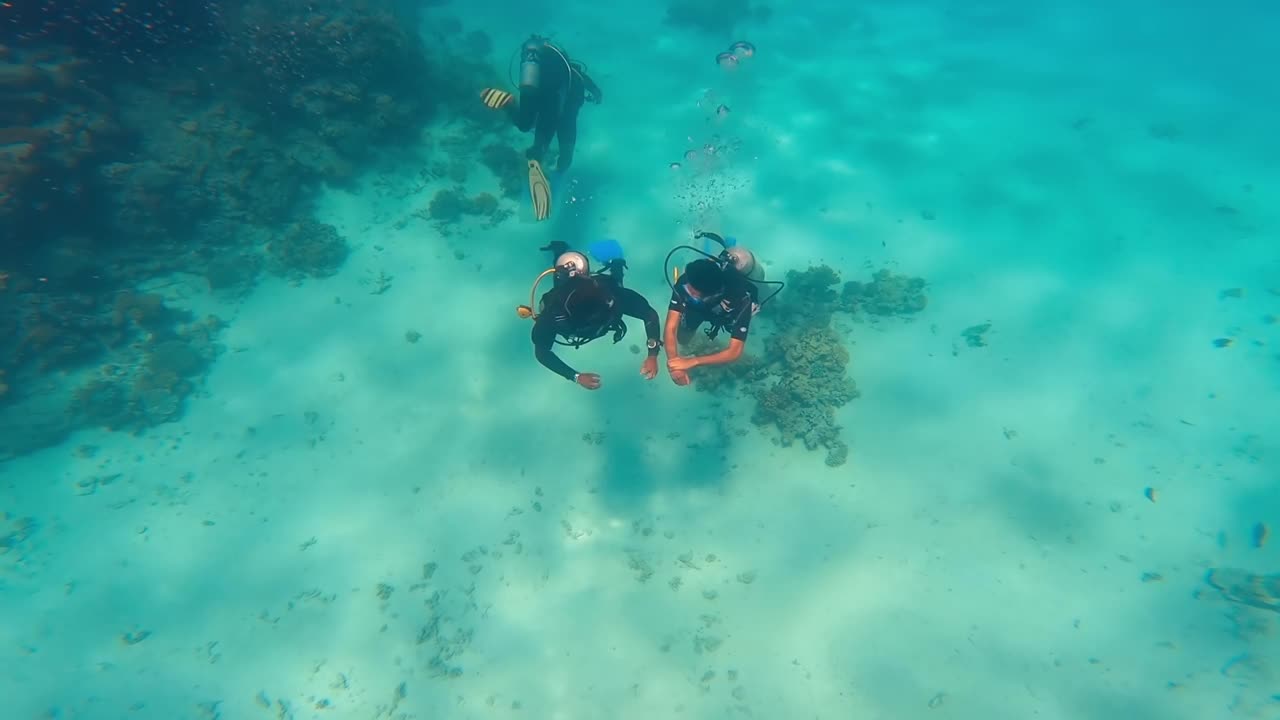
{"x": 551, "y": 108}
{"x": 732, "y": 311}
{"x": 555, "y": 321}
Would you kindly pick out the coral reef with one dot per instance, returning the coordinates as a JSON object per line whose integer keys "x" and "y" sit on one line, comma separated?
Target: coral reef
{"x": 228, "y": 255}
{"x": 150, "y": 358}
{"x": 207, "y": 163}
{"x": 345, "y": 68}
{"x": 137, "y": 396}
{"x": 810, "y": 300}
{"x": 354, "y": 76}
{"x": 158, "y": 139}
{"x": 976, "y": 335}
{"x": 886, "y": 294}
{"x": 507, "y": 164}
{"x": 117, "y": 36}
{"x": 748, "y": 372}
{"x": 45, "y": 334}
{"x": 307, "y": 249}
{"x": 801, "y": 378}
{"x": 450, "y": 205}
{"x": 54, "y": 127}
{"x": 812, "y": 382}
{"x": 288, "y": 94}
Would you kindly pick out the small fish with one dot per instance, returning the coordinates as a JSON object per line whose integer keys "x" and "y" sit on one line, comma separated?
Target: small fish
{"x": 496, "y": 99}
{"x": 1261, "y": 533}
{"x": 742, "y": 48}
{"x": 675, "y": 166}
{"x": 1223, "y": 342}
{"x": 1151, "y": 494}
{"x": 722, "y": 112}
{"x": 690, "y": 154}
{"x": 727, "y": 60}
{"x": 1231, "y": 293}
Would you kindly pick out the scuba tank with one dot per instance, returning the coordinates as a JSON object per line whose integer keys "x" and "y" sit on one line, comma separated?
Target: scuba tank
{"x": 731, "y": 255}
{"x": 744, "y": 261}
{"x": 530, "y": 68}
{"x": 572, "y": 264}
{"x": 530, "y": 54}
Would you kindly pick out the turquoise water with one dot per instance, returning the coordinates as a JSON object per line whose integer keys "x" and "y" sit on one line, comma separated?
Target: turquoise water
{"x": 1061, "y": 472}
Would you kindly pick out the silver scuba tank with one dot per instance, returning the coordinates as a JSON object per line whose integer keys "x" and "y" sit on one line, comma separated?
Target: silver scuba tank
{"x": 744, "y": 261}
{"x": 530, "y": 68}
{"x": 573, "y": 264}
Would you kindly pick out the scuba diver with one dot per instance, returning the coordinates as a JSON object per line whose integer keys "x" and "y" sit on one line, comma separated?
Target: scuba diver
{"x": 553, "y": 89}
{"x": 584, "y": 306}
{"x": 719, "y": 290}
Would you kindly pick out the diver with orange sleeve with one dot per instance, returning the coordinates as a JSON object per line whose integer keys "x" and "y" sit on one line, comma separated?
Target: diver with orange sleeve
{"x": 721, "y": 290}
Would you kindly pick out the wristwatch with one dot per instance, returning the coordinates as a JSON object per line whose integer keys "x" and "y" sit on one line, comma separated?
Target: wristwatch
{"x": 654, "y": 345}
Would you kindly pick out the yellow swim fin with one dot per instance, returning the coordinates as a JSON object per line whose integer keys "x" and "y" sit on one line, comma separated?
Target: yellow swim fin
{"x": 539, "y": 190}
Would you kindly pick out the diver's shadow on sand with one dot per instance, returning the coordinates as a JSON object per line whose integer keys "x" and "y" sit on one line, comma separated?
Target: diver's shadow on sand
{"x": 653, "y": 447}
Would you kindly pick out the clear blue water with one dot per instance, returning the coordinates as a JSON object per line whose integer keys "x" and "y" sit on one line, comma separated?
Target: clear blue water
{"x": 275, "y": 443}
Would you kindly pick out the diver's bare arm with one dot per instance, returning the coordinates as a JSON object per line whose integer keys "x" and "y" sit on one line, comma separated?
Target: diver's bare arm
{"x": 670, "y": 333}
{"x": 725, "y": 356}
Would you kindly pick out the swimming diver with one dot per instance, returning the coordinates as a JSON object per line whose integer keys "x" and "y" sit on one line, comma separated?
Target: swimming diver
{"x": 721, "y": 291}
{"x": 584, "y": 306}
{"x": 553, "y": 89}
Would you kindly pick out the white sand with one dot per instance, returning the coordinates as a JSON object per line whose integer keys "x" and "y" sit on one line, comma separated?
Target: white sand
{"x": 980, "y": 556}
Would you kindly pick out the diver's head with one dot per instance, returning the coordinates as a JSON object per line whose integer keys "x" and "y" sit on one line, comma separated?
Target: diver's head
{"x": 572, "y": 264}
{"x": 704, "y": 281}
{"x": 588, "y": 303}
{"x": 532, "y": 46}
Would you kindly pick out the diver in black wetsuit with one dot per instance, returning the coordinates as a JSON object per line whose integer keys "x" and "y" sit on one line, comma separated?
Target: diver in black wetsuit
{"x": 553, "y": 89}
{"x": 583, "y": 307}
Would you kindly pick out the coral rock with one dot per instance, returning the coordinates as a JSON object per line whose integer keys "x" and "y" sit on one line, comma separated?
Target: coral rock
{"x": 308, "y": 249}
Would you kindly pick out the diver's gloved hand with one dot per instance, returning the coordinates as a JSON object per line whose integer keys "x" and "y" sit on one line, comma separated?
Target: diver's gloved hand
{"x": 496, "y": 99}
